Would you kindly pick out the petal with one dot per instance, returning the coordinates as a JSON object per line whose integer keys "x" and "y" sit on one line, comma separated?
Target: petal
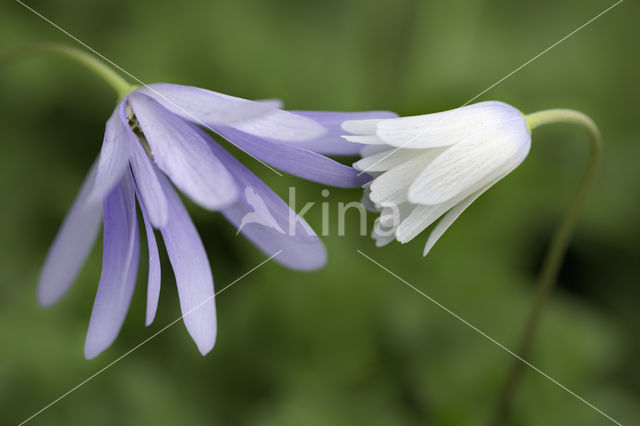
{"x": 205, "y": 107}
{"x": 387, "y": 159}
{"x": 268, "y": 222}
{"x": 331, "y": 143}
{"x": 457, "y": 210}
{"x": 71, "y": 245}
{"x": 393, "y": 186}
{"x": 183, "y": 155}
{"x": 114, "y": 156}
{"x": 419, "y": 219}
{"x": 154, "y": 277}
{"x": 297, "y": 161}
{"x": 446, "y": 128}
{"x": 467, "y": 163}
{"x": 149, "y": 188}
{"x": 281, "y": 125}
{"x": 192, "y": 271}
{"x": 119, "y": 269}
{"x": 364, "y": 139}
{"x": 361, "y": 127}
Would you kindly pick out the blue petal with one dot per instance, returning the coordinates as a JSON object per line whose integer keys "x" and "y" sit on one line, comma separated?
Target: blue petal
{"x": 114, "y": 156}
{"x": 297, "y": 161}
{"x": 153, "y": 280}
{"x": 268, "y": 222}
{"x": 119, "y": 268}
{"x": 192, "y": 271}
{"x": 71, "y": 246}
{"x": 183, "y": 155}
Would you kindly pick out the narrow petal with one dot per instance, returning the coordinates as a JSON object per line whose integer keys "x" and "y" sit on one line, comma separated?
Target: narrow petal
{"x": 297, "y": 161}
{"x": 192, "y": 271}
{"x": 361, "y": 127}
{"x": 386, "y": 160}
{"x": 119, "y": 269}
{"x": 268, "y": 222}
{"x": 393, "y": 186}
{"x": 331, "y": 143}
{"x": 71, "y": 245}
{"x": 467, "y": 163}
{"x": 364, "y": 139}
{"x": 419, "y": 219}
{"x": 457, "y": 210}
{"x": 445, "y": 128}
{"x": 150, "y": 190}
{"x": 263, "y": 118}
{"x": 154, "y": 276}
{"x": 205, "y": 107}
{"x": 449, "y": 218}
{"x": 114, "y": 157}
{"x": 183, "y": 155}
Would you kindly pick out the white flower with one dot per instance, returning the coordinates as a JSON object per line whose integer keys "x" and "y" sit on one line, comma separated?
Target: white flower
{"x": 432, "y": 165}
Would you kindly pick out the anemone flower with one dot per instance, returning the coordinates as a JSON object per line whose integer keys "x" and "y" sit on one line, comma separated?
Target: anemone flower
{"x": 154, "y": 141}
{"x": 435, "y": 165}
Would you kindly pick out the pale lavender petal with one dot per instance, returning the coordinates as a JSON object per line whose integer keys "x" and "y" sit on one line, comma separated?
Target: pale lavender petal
{"x": 183, "y": 155}
{"x": 332, "y": 142}
{"x": 153, "y": 280}
{"x": 151, "y": 193}
{"x": 268, "y": 222}
{"x": 205, "y": 107}
{"x": 192, "y": 271}
{"x": 71, "y": 245}
{"x": 114, "y": 156}
{"x": 297, "y": 161}
{"x": 263, "y": 119}
{"x": 119, "y": 268}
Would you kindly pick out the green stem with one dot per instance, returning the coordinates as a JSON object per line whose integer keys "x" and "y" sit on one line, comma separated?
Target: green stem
{"x": 120, "y": 85}
{"x": 556, "y": 252}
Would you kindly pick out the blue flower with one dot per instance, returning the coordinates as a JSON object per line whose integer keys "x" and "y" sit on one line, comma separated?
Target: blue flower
{"x": 154, "y": 141}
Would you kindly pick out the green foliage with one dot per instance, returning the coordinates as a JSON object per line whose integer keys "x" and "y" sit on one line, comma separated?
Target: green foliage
{"x": 350, "y": 344}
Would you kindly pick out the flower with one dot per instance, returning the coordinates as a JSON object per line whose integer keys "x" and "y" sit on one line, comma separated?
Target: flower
{"x": 435, "y": 165}
{"x": 151, "y": 140}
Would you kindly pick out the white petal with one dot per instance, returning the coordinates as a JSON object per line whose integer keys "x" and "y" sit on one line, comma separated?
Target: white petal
{"x": 467, "y": 163}
{"x": 445, "y": 128}
{"x": 449, "y": 218}
{"x": 386, "y": 160}
{"x": 361, "y": 127}
{"x": 393, "y": 186}
{"x": 364, "y": 139}
{"x": 419, "y": 219}
{"x": 370, "y": 150}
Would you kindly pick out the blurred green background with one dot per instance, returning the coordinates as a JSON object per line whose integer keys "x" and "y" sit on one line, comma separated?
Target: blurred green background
{"x": 349, "y": 344}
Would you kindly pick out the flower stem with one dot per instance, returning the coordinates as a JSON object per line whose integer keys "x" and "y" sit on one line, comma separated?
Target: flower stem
{"x": 120, "y": 85}
{"x": 554, "y": 255}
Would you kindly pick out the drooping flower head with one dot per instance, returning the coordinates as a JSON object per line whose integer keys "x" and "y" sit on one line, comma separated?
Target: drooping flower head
{"x": 155, "y": 140}
{"x": 434, "y": 166}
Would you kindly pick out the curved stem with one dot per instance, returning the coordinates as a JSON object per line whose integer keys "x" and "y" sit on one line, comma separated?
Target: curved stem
{"x": 120, "y": 85}
{"x": 556, "y": 252}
